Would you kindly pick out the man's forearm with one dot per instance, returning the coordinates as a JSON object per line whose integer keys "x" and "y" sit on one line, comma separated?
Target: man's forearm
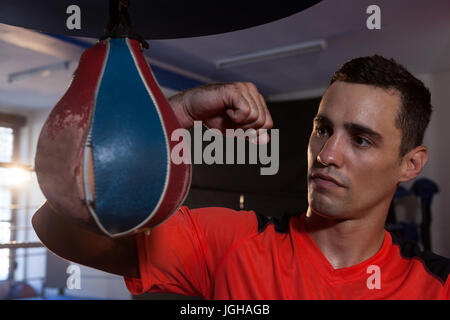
{"x": 69, "y": 241}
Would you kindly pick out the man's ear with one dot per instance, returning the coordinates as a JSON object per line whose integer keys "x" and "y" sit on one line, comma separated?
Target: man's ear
{"x": 413, "y": 163}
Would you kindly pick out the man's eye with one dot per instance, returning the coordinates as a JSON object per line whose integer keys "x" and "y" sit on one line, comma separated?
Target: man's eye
{"x": 321, "y": 132}
{"x": 362, "y": 142}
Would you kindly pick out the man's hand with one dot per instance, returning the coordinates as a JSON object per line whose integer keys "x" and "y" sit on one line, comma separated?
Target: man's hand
{"x": 224, "y": 106}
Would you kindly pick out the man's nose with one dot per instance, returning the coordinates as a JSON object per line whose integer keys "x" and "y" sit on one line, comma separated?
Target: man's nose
{"x": 332, "y": 152}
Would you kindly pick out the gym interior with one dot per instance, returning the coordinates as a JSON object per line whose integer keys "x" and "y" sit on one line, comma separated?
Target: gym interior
{"x": 290, "y": 61}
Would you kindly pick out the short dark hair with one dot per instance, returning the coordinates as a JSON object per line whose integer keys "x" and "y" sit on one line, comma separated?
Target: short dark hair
{"x": 415, "y": 111}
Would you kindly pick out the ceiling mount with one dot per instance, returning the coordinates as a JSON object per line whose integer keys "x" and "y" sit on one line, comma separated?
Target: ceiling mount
{"x": 119, "y": 22}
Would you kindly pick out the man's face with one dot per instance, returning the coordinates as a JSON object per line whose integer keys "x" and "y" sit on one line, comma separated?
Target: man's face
{"x": 355, "y": 142}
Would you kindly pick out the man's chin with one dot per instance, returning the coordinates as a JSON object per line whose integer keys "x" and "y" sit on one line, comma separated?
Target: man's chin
{"x": 326, "y": 210}
{"x": 320, "y": 202}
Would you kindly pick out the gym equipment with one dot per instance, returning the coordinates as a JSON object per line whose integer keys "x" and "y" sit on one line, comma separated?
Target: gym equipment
{"x": 103, "y": 155}
{"x": 155, "y": 19}
{"x": 425, "y": 189}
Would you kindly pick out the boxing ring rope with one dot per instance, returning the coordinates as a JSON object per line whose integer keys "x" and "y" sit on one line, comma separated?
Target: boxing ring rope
{"x": 24, "y": 260}
{"x": 31, "y": 249}
{"x": 18, "y": 245}
{"x": 25, "y": 252}
{"x": 19, "y": 234}
{"x": 10, "y": 165}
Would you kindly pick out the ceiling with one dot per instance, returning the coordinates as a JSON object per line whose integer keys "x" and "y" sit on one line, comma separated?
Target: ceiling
{"x": 414, "y": 32}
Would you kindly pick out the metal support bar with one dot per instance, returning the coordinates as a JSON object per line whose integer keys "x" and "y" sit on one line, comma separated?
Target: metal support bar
{"x": 19, "y": 245}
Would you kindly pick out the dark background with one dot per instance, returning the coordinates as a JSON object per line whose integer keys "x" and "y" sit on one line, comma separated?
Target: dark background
{"x": 273, "y": 195}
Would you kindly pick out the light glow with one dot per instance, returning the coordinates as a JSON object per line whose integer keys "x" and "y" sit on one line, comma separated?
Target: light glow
{"x": 15, "y": 177}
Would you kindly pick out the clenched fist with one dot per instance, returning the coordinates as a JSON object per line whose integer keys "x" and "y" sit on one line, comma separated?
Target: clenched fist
{"x": 224, "y": 106}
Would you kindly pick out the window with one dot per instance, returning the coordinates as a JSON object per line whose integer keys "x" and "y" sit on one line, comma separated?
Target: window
{"x": 6, "y": 156}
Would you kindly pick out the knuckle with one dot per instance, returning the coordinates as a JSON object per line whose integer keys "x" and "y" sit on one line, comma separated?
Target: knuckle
{"x": 239, "y": 86}
{"x": 231, "y": 88}
{"x": 260, "y": 122}
{"x": 253, "y": 117}
{"x": 246, "y": 110}
{"x": 251, "y": 86}
{"x": 261, "y": 98}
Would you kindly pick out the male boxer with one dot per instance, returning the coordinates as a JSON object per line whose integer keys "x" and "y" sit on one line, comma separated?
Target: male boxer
{"x": 367, "y": 138}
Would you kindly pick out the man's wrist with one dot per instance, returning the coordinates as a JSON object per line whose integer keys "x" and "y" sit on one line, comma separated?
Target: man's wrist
{"x": 178, "y": 102}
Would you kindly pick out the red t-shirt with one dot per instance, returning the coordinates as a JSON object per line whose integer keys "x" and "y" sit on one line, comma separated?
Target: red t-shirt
{"x": 219, "y": 253}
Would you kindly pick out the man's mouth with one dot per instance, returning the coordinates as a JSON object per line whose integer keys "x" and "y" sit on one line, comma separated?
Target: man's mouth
{"x": 325, "y": 181}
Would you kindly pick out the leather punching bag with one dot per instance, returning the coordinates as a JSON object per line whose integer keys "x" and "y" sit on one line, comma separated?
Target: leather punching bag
{"x": 103, "y": 155}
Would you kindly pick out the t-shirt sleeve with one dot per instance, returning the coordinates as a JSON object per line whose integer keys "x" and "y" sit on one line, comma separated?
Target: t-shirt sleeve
{"x": 181, "y": 255}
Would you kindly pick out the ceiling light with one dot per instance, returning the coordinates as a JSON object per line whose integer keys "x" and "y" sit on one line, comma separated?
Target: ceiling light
{"x": 42, "y": 71}
{"x": 273, "y": 53}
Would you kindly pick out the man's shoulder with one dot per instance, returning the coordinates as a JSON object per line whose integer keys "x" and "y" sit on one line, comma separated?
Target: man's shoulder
{"x": 221, "y": 218}
{"x": 212, "y": 213}
{"x": 240, "y": 221}
{"x": 435, "y": 264}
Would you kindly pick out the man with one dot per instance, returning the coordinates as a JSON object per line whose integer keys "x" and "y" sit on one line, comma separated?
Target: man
{"x": 367, "y": 138}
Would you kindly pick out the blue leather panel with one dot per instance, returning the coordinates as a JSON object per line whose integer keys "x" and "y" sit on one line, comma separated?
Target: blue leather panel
{"x": 129, "y": 147}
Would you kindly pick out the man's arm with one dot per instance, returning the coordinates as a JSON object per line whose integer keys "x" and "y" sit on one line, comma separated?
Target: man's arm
{"x": 220, "y": 106}
{"x": 72, "y": 242}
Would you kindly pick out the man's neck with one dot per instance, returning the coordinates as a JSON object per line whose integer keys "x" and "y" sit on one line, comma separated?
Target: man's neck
{"x": 346, "y": 242}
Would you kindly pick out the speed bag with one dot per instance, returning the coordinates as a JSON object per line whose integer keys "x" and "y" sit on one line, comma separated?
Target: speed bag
{"x": 103, "y": 154}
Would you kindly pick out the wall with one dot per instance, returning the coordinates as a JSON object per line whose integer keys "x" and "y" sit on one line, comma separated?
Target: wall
{"x": 438, "y": 168}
